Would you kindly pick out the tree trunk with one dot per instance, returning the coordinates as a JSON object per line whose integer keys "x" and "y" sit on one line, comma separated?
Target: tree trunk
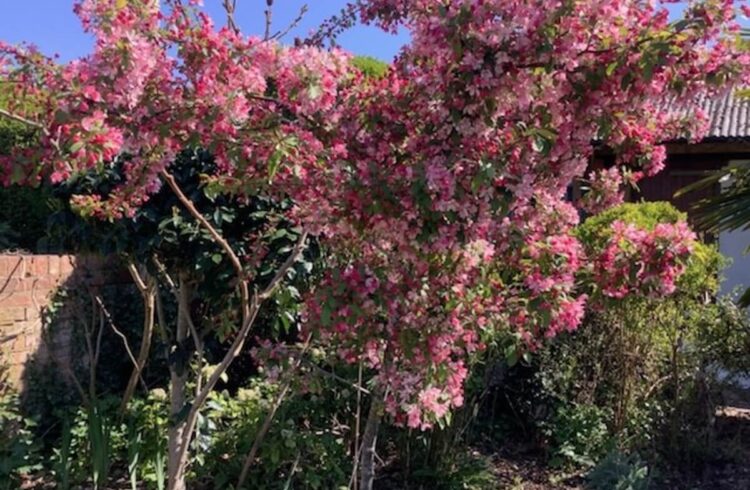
{"x": 369, "y": 443}
{"x": 149, "y": 309}
{"x": 178, "y": 374}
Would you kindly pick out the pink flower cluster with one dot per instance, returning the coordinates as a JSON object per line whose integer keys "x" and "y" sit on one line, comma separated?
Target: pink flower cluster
{"x": 638, "y": 261}
{"x": 159, "y": 81}
{"x": 606, "y": 189}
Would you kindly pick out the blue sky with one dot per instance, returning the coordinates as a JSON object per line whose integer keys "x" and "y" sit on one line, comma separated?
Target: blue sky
{"x": 52, "y": 26}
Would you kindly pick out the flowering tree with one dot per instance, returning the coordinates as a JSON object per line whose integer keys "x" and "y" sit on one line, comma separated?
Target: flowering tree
{"x": 439, "y": 188}
{"x": 460, "y": 161}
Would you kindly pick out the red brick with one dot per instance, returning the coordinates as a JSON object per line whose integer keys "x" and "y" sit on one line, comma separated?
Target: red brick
{"x": 12, "y": 314}
{"x": 19, "y": 357}
{"x": 11, "y": 265}
{"x": 10, "y": 285}
{"x": 18, "y": 344}
{"x": 54, "y": 265}
{"x": 67, "y": 265}
{"x": 14, "y": 375}
{"x": 32, "y": 341}
{"x": 17, "y": 299}
{"x": 38, "y": 266}
{"x": 44, "y": 285}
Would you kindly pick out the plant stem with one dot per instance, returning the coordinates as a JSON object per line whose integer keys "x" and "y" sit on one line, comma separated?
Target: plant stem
{"x": 369, "y": 444}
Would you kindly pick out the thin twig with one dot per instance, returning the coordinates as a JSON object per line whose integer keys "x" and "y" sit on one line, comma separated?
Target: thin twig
{"x": 353, "y": 479}
{"x": 20, "y": 119}
{"x": 271, "y": 414}
{"x": 114, "y": 328}
{"x": 149, "y": 290}
{"x": 269, "y": 19}
{"x": 338, "y": 378}
{"x": 229, "y": 7}
{"x": 280, "y": 34}
{"x": 284, "y": 269}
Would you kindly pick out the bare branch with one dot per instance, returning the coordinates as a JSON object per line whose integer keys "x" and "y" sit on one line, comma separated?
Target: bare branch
{"x": 292, "y": 25}
{"x": 272, "y": 413}
{"x": 20, "y": 119}
{"x": 269, "y": 19}
{"x": 229, "y": 7}
{"x": 148, "y": 290}
{"x": 125, "y": 342}
{"x": 357, "y": 422}
{"x": 296, "y": 252}
{"x": 190, "y": 207}
{"x": 137, "y": 278}
{"x": 252, "y": 308}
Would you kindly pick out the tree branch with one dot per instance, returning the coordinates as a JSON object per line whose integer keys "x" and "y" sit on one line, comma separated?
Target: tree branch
{"x": 112, "y": 325}
{"x": 272, "y": 413}
{"x": 269, "y": 17}
{"x": 229, "y": 8}
{"x": 279, "y": 34}
{"x": 296, "y": 252}
{"x": 20, "y": 119}
{"x": 252, "y": 312}
{"x": 217, "y": 237}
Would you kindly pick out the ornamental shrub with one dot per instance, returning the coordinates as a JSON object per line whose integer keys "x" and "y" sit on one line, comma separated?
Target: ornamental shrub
{"x": 703, "y": 272}
{"x": 646, "y": 368}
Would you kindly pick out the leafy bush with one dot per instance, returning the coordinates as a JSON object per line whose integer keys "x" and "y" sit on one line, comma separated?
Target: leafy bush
{"x": 370, "y": 67}
{"x": 579, "y": 434}
{"x": 23, "y": 210}
{"x": 465, "y": 471}
{"x": 639, "y": 373}
{"x": 305, "y": 447}
{"x": 704, "y": 268}
{"x": 619, "y": 472}
{"x": 19, "y": 452}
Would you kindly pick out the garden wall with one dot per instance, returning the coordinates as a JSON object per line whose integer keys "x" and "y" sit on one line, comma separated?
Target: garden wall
{"x": 27, "y": 287}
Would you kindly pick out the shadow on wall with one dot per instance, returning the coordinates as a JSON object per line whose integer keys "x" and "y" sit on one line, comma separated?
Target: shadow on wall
{"x": 55, "y": 311}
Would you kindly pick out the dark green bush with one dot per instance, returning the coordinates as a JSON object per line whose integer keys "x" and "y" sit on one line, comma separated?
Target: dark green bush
{"x": 19, "y": 451}
{"x": 24, "y": 210}
{"x": 307, "y": 446}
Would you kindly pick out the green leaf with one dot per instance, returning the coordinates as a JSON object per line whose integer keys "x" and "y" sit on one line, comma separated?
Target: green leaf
{"x": 511, "y": 355}
{"x": 76, "y": 146}
{"x": 274, "y": 161}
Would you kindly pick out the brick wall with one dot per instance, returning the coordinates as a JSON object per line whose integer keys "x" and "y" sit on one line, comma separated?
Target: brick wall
{"x": 27, "y": 284}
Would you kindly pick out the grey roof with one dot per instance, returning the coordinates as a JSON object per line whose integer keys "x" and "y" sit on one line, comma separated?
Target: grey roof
{"x": 728, "y": 114}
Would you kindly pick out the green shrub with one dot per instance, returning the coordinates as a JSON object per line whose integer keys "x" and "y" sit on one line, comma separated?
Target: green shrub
{"x": 704, "y": 268}
{"x": 370, "y": 67}
{"x": 19, "y": 451}
{"x": 618, "y": 471}
{"x": 305, "y": 448}
{"x": 464, "y": 471}
{"x": 579, "y": 435}
{"x": 23, "y": 210}
{"x": 639, "y": 374}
